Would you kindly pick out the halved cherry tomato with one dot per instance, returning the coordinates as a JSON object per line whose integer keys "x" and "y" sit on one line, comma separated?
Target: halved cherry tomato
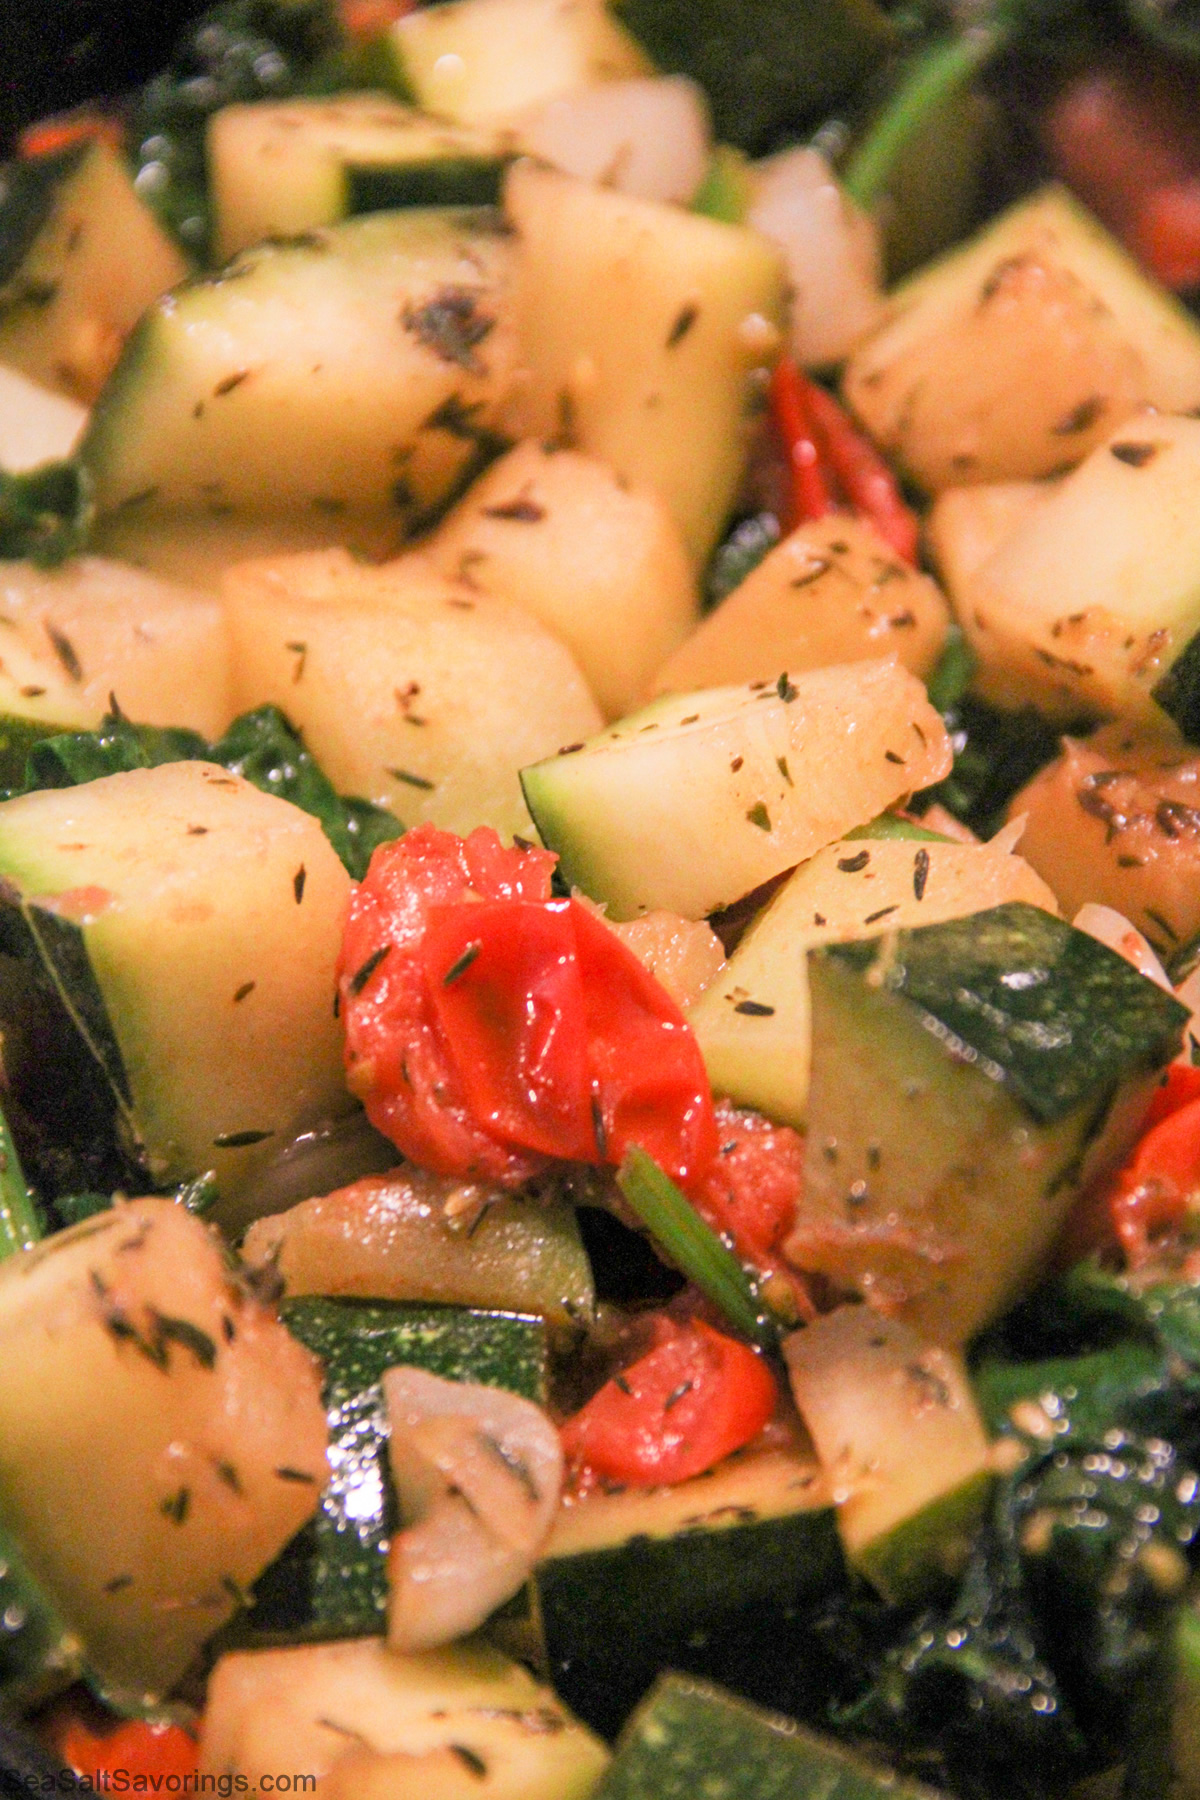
{"x": 694, "y": 1399}
{"x": 489, "y": 1026}
{"x": 134, "y": 1748}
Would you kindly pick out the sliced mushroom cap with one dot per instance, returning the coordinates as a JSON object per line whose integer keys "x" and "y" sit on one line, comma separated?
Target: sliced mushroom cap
{"x": 478, "y": 1473}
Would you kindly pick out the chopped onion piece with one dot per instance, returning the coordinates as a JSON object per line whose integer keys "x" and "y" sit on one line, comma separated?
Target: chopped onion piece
{"x": 644, "y": 137}
{"x": 1110, "y": 927}
{"x": 478, "y": 1474}
{"x": 831, "y": 250}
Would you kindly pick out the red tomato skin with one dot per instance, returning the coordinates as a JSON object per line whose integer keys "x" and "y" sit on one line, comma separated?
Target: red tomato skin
{"x": 694, "y": 1399}
{"x": 489, "y": 1027}
{"x": 514, "y": 1016}
{"x": 395, "y": 1059}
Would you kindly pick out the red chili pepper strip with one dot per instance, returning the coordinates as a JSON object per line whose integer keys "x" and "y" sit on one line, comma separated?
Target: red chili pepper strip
{"x": 867, "y": 482}
{"x": 489, "y": 1027}
{"x": 811, "y": 495}
{"x": 1152, "y": 1193}
{"x": 694, "y": 1399}
{"x": 133, "y": 1749}
{"x": 49, "y": 136}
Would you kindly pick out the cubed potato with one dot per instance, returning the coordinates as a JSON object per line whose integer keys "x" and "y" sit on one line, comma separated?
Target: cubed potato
{"x": 73, "y": 637}
{"x": 416, "y": 691}
{"x": 1116, "y": 820}
{"x": 831, "y": 592}
{"x": 600, "y": 563}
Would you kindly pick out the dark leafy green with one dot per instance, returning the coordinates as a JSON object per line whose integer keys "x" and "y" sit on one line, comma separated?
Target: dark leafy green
{"x": 995, "y": 754}
{"x": 240, "y": 50}
{"x": 262, "y": 746}
{"x": 949, "y": 62}
{"x": 767, "y": 65}
{"x": 45, "y": 514}
{"x": 747, "y": 544}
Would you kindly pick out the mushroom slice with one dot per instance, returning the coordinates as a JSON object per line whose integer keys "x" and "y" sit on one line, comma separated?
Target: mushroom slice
{"x": 478, "y": 1473}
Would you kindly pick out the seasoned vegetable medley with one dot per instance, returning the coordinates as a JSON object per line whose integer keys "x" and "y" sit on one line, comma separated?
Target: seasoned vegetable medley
{"x": 600, "y": 904}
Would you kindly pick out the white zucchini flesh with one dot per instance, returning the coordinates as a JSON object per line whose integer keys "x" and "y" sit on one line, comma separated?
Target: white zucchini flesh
{"x": 487, "y": 61}
{"x": 695, "y": 800}
{"x": 1090, "y": 599}
{"x": 412, "y": 1235}
{"x": 73, "y": 637}
{"x": 966, "y": 525}
{"x": 37, "y": 425}
{"x": 647, "y": 332}
{"x": 600, "y": 563}
{"x": 478, "y": 1474}
{"x": 649, "y": 137}
{"x": 390, "y": 1719}
{"x": 421, "y": 693}
{"x": 162, "y": 1436}
{"x": 897, "y": 1430}
{"x": 753, "y": 1022}
{"x": 832, "y": 592}
{"x": 210, "y": 917}
{"x": 347, "y": 373}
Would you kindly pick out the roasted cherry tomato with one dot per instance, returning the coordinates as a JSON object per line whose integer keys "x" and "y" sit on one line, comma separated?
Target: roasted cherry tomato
{"x": 692, "y": 1400}
{"x": 489, "y": 1026}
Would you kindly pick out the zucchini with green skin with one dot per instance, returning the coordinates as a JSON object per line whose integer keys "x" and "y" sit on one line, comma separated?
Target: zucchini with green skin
{"x": 690, "y": 1738}
{"x": 967, "y": 1079}
{"x": 285, "y": 166}
{"x": 706, "y": 1576}
{"x": 753, "y": 1021}
{"x": 901, "y": 1443}
{"x": 161, "y": 1437}
{"x": 175, "y": 932}
{"x": 368, "y": 1724}
{"x": 380, "y": 351}
{"x": 331, "y": 1581}
{"x": 409, "y": 1235}
{"x": 696, "y": 799}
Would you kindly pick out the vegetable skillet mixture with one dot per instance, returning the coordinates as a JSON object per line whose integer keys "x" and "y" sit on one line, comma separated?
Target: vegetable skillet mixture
{"x": 600, "y": 906}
